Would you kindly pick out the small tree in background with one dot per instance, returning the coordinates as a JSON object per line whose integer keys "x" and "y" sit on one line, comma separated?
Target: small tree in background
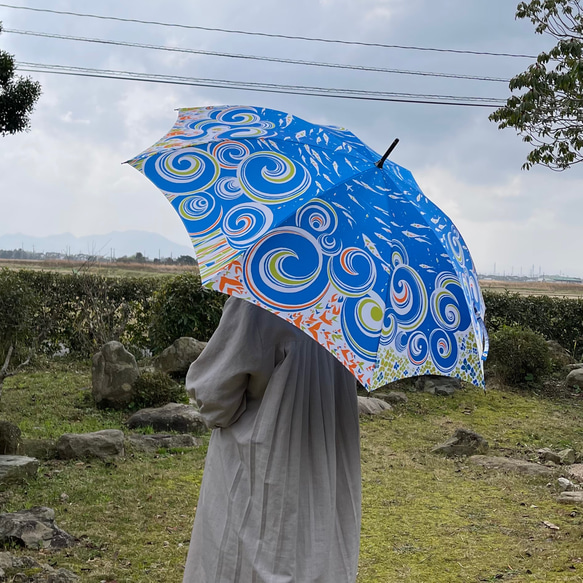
{"x": 548, "y": 114}
{"x": 18, "y": 96}
{"x": 186, "y": 260}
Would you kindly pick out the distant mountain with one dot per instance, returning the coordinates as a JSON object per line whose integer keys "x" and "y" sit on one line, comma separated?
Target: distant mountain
{"x": 116, "y": 244}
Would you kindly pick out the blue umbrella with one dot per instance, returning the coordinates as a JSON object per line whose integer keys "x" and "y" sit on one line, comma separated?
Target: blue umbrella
{"x": 310, "y": 223}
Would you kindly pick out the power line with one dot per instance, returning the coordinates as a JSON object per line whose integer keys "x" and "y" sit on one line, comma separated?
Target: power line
{"x": 269, "y": 35}
{"x": 254, "y": 57}
{"x": 338, "y": 93}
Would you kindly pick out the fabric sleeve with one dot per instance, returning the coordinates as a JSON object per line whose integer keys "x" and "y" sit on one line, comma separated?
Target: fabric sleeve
{"x": 220, "y": 375}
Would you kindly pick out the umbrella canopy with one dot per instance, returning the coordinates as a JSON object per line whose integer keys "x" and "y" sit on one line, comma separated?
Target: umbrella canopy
{"x": 299, "y": 219}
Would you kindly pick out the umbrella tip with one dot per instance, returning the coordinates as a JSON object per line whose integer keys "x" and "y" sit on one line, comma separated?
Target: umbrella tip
{"x": 380, "y": 163}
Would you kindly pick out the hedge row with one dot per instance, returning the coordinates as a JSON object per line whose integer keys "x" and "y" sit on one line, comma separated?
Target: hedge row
{"x": 79, "y": 312}
{"x": 559, "y": 319}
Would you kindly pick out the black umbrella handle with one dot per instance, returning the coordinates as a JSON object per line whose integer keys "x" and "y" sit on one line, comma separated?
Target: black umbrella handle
{"x": 380, "y": 163}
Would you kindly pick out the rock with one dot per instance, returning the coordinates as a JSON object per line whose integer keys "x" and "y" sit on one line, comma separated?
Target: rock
{"x": 372, "y": 406}
{"x": 575, "y": 471}
{"x": 171, "y": 417}
{"x": 437, "y": 385}
{"x": 104, "y": 444}
{"x": 565, "y": 484}
{"x": 567, "y": 456}
{"x": 548, "y": 455}
{"x": 575, "y": 379}
{"x": 392, "y": 397}
{"x": 571, "y": 498}
{"x": 27, "y": 569}
{"x": 464, "y": 442}
{"x": 113, "y": 373}
{"x": 9, "y": 438}
{"x": 152, "y": 443}
{"x": 61, "y": 576}
{"x": 564, "y": 457}
{"x": 558, "y": 354}
{"x": 575, "y": 366}
{"x": 13, "y": 567}
{"x": 34, "y": 528}
{"x": 43, "y": 449}
{"x": 17, "y": 468}
{"x": 178, "y": 357}
{"x": 511, "y": 465}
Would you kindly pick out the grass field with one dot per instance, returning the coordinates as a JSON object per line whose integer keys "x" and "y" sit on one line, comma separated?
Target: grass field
{"x": 426, "y": 519}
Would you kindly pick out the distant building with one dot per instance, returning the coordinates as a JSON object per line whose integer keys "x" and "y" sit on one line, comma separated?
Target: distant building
{"x": 563, "y": 279}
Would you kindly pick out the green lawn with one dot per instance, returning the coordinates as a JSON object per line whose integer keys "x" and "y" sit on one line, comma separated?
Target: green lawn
{"x": 426, "y": 519}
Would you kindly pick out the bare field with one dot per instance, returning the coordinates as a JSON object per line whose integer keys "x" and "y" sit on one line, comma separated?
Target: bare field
{"x": 535, "y": 288}
{"x": 98, "y": 268}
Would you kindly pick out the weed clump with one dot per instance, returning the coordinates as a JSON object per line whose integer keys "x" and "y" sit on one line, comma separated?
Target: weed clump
{"x": 519, "y": 356}
{"x": 155, "y": 389}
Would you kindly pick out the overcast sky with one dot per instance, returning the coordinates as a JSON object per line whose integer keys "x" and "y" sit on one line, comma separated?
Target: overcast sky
{"x": 66, "y": 174}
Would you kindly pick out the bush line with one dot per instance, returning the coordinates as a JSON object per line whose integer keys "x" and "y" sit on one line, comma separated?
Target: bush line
{"x": 50, "y": 312}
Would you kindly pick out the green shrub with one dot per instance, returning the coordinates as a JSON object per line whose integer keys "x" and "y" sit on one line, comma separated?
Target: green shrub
{"x": 182, "y": 307}
{"x": 78, "y": 312}
{"x": 559, "y": 319}
{"x": 19, "y": 308}
{"x": 155, "y": 389}
{"x": 518, "y": 355}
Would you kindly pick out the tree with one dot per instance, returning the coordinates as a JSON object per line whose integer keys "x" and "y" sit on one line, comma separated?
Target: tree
{"x": 549, "y": 113}
{"x": 18, "y": 96}
{"x": 186, "y": 260}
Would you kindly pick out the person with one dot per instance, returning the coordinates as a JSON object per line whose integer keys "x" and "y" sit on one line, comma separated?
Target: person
{"x": 280, "y": 499}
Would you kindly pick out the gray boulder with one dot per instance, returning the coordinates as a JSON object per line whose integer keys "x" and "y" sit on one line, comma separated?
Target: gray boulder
{"x": 463, "y": 443}
{"x": 113, "y": 373}
{"x": 176, "y": 359}
{"x": 23, "y": 568}
{"x": 372, "y": 406}
{"x": 392, "y": 397}
{"x": 171, "y": 417}
{"x": 42, "y": 449}
{"x": 152, "y": 443}
{"x": 571, "y": 498}
{"x": 567, "y": 485}
{"x": 17, "y": 468}
{"x": 575, "y": 366}
{"x": 548, "y": 455}
{"x": 558, "y": 354}
{"x": 575, "y": 379}
{"x": 510, "y": 465}
{"x": 575, "y": 471}
{"x": 105, "y": 444}
{"x": 437, "y": 385}
{"x": 34, "y": 528}
{"x": 567, "y": 456}
{"x": 9, "y": 438}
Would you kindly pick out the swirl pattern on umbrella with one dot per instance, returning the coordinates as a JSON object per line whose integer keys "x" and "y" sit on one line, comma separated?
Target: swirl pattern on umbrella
{"x": 298, "y": 219}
